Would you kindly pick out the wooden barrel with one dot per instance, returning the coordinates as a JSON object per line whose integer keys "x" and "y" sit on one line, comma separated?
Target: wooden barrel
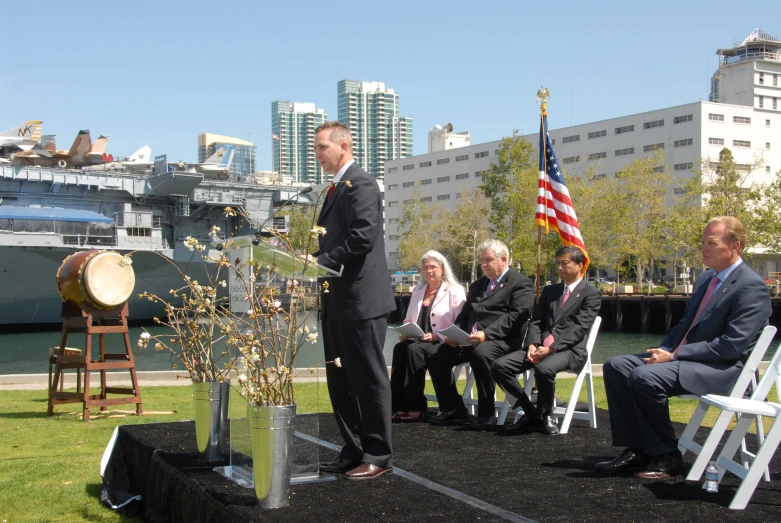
{"x": 98, "y": 278}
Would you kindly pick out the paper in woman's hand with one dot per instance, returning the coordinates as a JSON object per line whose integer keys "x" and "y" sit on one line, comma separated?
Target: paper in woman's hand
{"x": 456, "y": 334}
{"x": 410, "y": 330}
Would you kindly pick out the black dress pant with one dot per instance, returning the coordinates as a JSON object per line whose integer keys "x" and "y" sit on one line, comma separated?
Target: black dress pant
{"x": 408, "y": 374}
{"x": 506, "y": 369}
{"x": 480, "y": 358}
{"x": 360, "y": 388}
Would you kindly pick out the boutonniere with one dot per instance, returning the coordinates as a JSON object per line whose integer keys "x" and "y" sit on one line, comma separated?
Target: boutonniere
{"x": 501, "y": 285}
{"x": 577, "y": 295}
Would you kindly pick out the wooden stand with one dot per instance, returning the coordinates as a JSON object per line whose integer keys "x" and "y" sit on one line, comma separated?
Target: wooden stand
{"x": 91, "y": 321}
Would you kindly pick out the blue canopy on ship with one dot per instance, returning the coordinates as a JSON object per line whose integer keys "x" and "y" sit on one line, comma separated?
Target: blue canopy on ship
{"x": 12, "y": 212}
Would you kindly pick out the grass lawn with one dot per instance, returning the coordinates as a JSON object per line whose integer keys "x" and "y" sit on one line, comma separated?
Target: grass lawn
{"x": 50, "y": 467}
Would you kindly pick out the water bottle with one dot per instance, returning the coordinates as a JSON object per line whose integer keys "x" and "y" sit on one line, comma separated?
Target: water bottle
{"x": 711, "y": 478}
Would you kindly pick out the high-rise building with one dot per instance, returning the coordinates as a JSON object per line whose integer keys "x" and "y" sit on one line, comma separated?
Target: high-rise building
{"x": 244, "y": 159}
{"x": 293, "y": 141}
{"x": 371, "y": 111}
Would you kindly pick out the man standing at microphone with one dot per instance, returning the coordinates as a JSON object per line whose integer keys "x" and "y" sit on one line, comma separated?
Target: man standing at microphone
{"x": 355, "y": 308}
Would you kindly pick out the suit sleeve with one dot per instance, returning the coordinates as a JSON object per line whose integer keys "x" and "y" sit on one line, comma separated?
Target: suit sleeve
{"x": 462, "y": 320}
{"x": 362, "y": 221}
{"x": 518, "y": 313}
{"x": 576, "y": 326}
{"x": 534, "y": 336}
{"x": 750, "y": 309}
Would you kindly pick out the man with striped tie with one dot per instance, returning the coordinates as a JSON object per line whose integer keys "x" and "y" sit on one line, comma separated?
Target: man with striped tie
{"x": 497, "y": 309}
{"x": 556, "y": 342}
{"x": 702, "y": 354}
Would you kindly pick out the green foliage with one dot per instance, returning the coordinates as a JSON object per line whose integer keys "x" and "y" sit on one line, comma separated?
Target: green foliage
{"x": 419, "y": 228}
{"x": 768, "y": 217}
{"x": 301, "y": 219}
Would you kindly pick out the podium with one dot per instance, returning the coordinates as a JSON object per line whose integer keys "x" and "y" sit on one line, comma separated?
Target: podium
{"x": 277, "y": 269}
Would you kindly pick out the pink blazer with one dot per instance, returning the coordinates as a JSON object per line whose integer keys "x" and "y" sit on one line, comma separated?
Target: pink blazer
{"x": 444, "y": 310}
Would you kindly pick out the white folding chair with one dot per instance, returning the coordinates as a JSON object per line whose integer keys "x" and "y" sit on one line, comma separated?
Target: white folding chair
{"x": 469, "y": 400}
{"x": 569, "y": 413}
{"x": 748, "y": 411}
{"x": 746, "y": 378}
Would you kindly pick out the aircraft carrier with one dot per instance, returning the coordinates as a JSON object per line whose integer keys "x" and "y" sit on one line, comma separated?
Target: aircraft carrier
{"x": 47, "y": 214}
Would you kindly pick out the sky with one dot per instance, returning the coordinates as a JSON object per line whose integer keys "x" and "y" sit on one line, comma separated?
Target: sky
{"x": 161, "y": 73}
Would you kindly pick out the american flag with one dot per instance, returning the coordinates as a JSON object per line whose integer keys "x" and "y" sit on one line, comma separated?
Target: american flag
{"x": 274, "y": 137}
{"x": 554, "y": 206}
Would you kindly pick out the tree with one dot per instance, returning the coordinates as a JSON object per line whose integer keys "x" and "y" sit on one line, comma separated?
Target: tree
{"x": 464, "y": 229}
{"x": 419, "y": 229}
{"x": 727, "y": 188}
{"x": 301, "y": 219}
{"x": 767, "y": 231}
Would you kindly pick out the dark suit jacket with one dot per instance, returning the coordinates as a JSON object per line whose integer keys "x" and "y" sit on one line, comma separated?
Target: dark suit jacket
{"x": 504, "y": 312}
{"x": 569, "y": 324}
{"x": 725, "y": 332}
{"x": 352, "y": 218}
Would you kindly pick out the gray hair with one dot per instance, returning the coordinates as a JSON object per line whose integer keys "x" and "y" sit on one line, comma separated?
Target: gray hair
{"x": 447, "y": 272}
{"x": 498, "y": 248}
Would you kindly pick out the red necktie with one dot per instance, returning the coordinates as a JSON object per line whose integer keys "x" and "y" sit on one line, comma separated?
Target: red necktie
{"x": 705, "y": 299}
{"x": 330, "y": 192}
{"x": 548, "y": 341}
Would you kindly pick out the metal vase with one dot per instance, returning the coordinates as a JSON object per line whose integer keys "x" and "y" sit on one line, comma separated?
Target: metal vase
{"x": 271, "y": 433}
{"x": 211, "y": 419}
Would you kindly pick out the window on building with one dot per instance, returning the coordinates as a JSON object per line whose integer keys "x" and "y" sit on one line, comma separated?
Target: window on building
{"x": 741, "y": 119}
{"x": 407, "y": 202}
{"x": 407, "y": 184}
{"x": 715, "y": 141}
{"x": 598, "y": 177}
{"x": 408, "y": 167}
{"x": 625, "y": 129}
{"x": 741, "y": 143}
{"x": 443, "y": 197}
{"x": 761, "y": 102}
{"x": 653, "y": 124}
{"x": 683, "y": 119}
{"x": 597, "y": 134}
{"x": 715, "y": 117}
{"x": 425, "y": 164}
{"x": 481, "y": 154}
{"x": 761, "y": 78}
{"x": 393, "y": 170}
{"x": 426, "y": 199}
{"x": 427, "y": 181}
{"x": 443, "y": 179}
{"x": 658, "y": 169}
{"x": 597, "y": 156}
{"x": 393, "y": 220}
{"x": 767, "y": 145}
{"x": 743, "y": 167}
{"x": 570, "y": 139}
{"x": 767, "y": 168}
{"x": 653, "y": 147}
{"x": 624, "y": 152}
{"x": 775, "y": 80}
{"x": 571, "y": 159}
{"x": 463, "y": 176}
{"x": 767, "y": 123}
{"x": 553, "y": 141}
{"x": 479, "y": 174}
{"x": 682, "y": 166}
{"x": 443, "y": 160}
{"x": 775, "y": 103}
{"x": 393, "y": 237}
{"x": 683, "y": 143}
{"x": 462, "y": 195}
{"x": 393, "y": 204}
{"x": 462, "y": 157}
{"x": 681, "y": 190}
{"x": 393, "y": 254}
{"x": 392, "y": 187}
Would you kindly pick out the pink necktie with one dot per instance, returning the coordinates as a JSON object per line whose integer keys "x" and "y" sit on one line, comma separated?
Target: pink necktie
{"x": 705, "y": 299}
{"x": 548, "y": 341}
{"x": 490, "y": 288}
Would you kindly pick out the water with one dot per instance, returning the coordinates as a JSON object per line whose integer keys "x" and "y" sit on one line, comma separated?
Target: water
{"x": 27, "y": 353}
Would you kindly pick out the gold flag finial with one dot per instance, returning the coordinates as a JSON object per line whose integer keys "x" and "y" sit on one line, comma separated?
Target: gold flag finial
{"x": 543, "y": 94}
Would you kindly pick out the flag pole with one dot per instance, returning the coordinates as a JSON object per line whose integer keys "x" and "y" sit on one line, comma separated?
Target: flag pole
{"x": 542, "y": 95}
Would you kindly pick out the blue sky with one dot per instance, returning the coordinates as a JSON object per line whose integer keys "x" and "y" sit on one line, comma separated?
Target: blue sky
{"x": 160, "y": 73}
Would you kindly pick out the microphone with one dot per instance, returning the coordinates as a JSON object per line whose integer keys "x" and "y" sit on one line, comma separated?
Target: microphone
{"x": 303, "y": 190}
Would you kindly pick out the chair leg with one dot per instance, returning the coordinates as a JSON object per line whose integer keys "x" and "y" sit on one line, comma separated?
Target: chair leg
{"x": 686, "y": 441}
{"x": 709, "y": 447}
{"x": 730, "y": 448}
{"x": 757, "y": 468}
{"x": 573, "y": 400}
{"x": 592, "y": 404}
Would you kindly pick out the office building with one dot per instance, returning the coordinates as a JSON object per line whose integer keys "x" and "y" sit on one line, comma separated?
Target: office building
{"x": 443, "y": 138}
{"x": 749, "y": 125}
{"x": 293, "y": 141}
{"x": 243, "y": 161}
{"x": 371, "y": 111}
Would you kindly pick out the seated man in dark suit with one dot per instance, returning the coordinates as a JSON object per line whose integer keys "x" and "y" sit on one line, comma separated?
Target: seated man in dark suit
{"x": 556, "y": 342}
{"x": 495, "y": 314}
{"x": 703, "y": 354}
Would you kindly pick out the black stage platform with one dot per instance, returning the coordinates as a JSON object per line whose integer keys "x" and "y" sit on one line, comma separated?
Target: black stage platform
{"x": 445, "y": 474}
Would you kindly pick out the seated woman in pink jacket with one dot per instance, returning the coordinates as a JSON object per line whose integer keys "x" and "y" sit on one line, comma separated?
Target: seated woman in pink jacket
{"x": 434, "y": 305}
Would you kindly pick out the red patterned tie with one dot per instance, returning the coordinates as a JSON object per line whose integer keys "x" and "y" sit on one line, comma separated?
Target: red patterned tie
{"x": 705, "y": 299}
{"x": 330, "y": 192}
{"x": 548, "y": 341}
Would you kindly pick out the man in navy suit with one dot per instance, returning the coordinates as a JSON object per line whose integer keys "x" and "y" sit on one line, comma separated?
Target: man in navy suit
{"x": 355, "y": 308}
{"x": 703, "y": 354}
{"x": 556, "y": 342}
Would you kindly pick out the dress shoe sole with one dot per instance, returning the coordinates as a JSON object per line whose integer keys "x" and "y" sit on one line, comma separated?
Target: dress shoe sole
{"x": 364, "y": 478}
{"x": 655, "y": 474}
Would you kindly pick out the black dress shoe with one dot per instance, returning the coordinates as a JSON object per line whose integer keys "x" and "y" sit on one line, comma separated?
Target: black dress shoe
{"x": 449, "y": 417}
{"x": 628, "y": 460}
{"x": 340, "y": 466}
{"x": 663, "y": 467}
{"x": 367, "y": 471}
{"x": 486, "y": 423}
{"x": 525, "y": 424}
{"x": 549, "y": 426}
